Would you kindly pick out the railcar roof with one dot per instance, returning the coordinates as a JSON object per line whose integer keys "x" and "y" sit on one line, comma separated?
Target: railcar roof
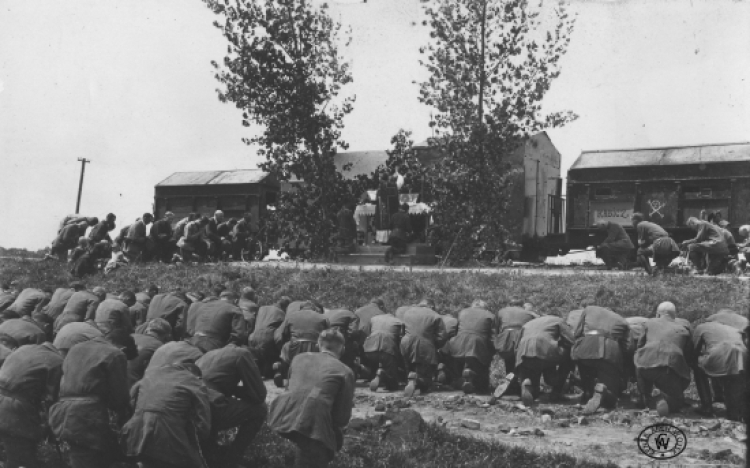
{"x": 239, "y": 176}
{"x": 664, "y": 156}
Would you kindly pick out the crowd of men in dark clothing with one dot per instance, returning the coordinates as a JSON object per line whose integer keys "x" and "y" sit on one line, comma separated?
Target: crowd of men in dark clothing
{"x": 154, "y": 377}
{"x": 194, "y": 237}
{"x": 712, "y": 251}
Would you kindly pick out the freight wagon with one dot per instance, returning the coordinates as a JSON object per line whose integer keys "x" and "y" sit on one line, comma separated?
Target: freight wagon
{"x": 668, "y": 185}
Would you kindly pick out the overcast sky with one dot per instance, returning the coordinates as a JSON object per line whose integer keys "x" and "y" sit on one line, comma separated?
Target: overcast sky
{"x": 128, "y": 85}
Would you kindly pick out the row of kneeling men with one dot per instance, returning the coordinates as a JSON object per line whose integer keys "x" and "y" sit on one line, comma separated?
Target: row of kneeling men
{"x": 119, "y": 391}
{"x": 203, "y": 359}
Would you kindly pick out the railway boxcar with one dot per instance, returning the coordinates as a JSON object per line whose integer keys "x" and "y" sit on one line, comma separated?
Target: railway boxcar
{"x": 668, "y": 185}
{"x": 235, "y": 192}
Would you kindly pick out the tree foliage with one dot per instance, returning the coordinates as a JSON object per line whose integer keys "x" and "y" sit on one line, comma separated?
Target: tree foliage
{"x": 490, "y": 64}
{"x": 284, "y": 71}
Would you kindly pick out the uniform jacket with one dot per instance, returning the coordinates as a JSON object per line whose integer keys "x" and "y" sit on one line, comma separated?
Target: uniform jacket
{"x": 174, "y": 352}
{"x": 172, "y": 414}
{"x": 425, "y": 332}
{"x": 617, "y": 237}
{"x": 601, "y": 334}
{"x": 665, "y": 343}
{"x": 637, "y": 327}
{"x": 343, "y": 320}
{"x": 318, "y": 402}
{"x": 509, "y": 323}
{"x": 192, "y": 315}
{"x": 169, "y": 307}
{"x": 451, "y": 325}
{"x": 303, "y": 325}
{"x": 147, "y": 346}
{"x": 296, "y": 306}
{"x": 232, "y": 372}
{"x": 545, "y": 338}
{"x": 30, "y": 300}
{"x": 82, "y": 304}
{"x": 161, "y": 230}
{"x": 24, "y": 330}
{"x": 710, "y": 236}
{"x": 268, "y": 320}
{"x": 30, "y": 376}
{"x": 365, "y": 314}
{"x": 137, "y": 232}
{"x": 221, "y": 322}
{"x": 58, "y": 302}
{"x": 474, "y": 337}
{"x": 111, "y": 314}
{"x": 99, "y": 232}
{"x": 720, "y": 349}
{"x": 68, "y": 237}
{"x": 385, "y": 336}
{"x": 179, "y": 229}
{"x": 648, "y": 232}
{"x": 74, "y": 333}
{"x": 95, "y": 379}
{"x": 728, "y": 317}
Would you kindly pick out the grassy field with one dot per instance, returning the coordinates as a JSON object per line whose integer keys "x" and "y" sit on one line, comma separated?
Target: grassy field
{"x": 433, "y": 447}
{"x": 628, "y": 295}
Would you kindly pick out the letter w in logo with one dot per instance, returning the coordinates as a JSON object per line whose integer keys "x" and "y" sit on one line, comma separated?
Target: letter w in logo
{"x": 662, "y": 442}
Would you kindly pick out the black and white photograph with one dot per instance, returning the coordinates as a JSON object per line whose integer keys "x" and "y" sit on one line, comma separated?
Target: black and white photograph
{"x": 374, "y": 233}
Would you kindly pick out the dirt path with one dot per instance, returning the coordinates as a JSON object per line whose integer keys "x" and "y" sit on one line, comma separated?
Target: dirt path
{"x": 601, "y": 437}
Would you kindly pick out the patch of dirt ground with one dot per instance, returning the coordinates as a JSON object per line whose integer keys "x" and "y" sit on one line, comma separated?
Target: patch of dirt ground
{"x": 604, "y": 436}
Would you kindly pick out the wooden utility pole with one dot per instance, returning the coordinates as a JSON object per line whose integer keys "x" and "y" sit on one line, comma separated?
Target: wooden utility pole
{"x": 80, "y": 182}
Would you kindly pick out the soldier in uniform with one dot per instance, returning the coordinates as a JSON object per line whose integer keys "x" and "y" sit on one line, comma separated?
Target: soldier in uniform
{"x": 115, "y": 313}
{"x": 470, "y": 352}
{"x": 172, "y": 307}
{"x": 172, "y": 416}
{"x": 708, "y": 251}
{"x": 60, "y": 299}
{"x": 653, "y": 241}
{"x": 318, "y": 403}
{"x": 601, "y": 341}
{"x": 174, "y": 352}
{"x": 249, "y": 307}
{"x": 616, "y": 248}
{"x": 297, "y": 334}
{"x": 29, "y": 383}
{"x": 261, "y": 341}
{"x": 237, "y": 400}
{"x": 662, "y": 360}
{"x": 509, "y": 322}
{"x": 82, "y": 304}
{"x": 30, "y": 300}
{"x": 544, "y": 350}
{"x": 74, "y": 333}
{"x": 347, "y": 323}
{"x": 425, "y": 333}
{"x": 721, "y": 356}
{"x": 219, "y": 323}
{"x": 729, "y": 317}
{"x": 95, "y": 380}
{"x": 382, "y": 352}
